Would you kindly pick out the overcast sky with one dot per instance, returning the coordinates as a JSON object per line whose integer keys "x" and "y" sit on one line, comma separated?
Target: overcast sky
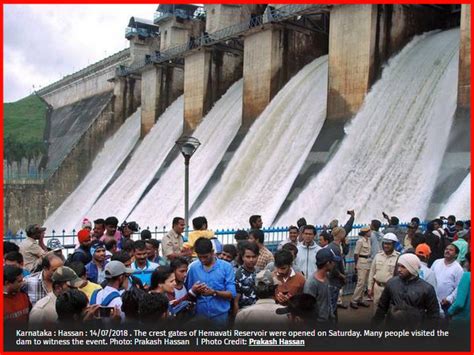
{"x": 43, "y": 43}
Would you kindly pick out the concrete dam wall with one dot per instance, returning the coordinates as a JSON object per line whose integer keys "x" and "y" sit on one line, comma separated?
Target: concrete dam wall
{"x": 265, "y": 46}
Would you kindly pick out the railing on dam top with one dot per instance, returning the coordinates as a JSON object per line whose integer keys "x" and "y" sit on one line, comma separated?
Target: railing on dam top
{"x": 112, "y": 59}
{"x": 272, "y": 15}
{"x": 273, "y": 237}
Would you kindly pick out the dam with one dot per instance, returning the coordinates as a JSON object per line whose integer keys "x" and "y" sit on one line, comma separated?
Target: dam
{"x": 301, "y": 110}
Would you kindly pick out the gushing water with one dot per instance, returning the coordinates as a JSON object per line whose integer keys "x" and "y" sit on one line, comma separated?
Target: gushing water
{"x": 459, "y": 203}
{"x": 393, "y": 148}
{"x": 217, "y": 130}
{"x": 71, "y": 212}
{"x": 264, "y": 167}
{"x": 120, "y": 198}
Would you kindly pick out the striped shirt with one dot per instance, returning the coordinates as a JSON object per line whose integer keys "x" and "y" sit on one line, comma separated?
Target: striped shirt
{"x": 35, "y": 287}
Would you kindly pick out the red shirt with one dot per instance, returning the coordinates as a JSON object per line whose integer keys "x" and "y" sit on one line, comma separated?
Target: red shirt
{"x": 16, "y": 307}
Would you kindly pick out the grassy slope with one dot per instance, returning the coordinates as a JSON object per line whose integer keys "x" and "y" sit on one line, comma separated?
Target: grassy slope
{"x": 25, "y": 120}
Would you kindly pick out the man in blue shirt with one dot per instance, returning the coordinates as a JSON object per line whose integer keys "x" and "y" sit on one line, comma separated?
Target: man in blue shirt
{"x": 212, "y": 282}
{"x": 142, "y": 267}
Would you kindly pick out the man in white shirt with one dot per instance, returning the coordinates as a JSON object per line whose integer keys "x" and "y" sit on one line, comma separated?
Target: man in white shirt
{"x": 448, "y": 274}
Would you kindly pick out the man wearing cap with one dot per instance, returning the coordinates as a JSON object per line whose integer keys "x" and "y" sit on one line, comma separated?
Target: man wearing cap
{"x": 40, "y": 283}
{"x": 44, "y": 311}
{"x": 33, "y": 247}
{"x": 319, "y": 287}
{"x": 83, "y": 252}
{"x": 423, "y": 252}
{"x": 265, "y": 309}
{"x": 408, "y": 300}
{"x": 383, "y": 267}
{"x": 95, "y": 270}
{"x": 362, "y": 259}
{"x": 116, "y": 275}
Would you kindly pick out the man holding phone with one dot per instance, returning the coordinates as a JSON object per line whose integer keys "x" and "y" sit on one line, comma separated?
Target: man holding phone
{"x": 212, "y": 282}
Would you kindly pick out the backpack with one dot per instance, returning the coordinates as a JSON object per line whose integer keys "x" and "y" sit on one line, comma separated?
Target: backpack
{"x": 69, "y": 257}
{"x": 106, "y": 301}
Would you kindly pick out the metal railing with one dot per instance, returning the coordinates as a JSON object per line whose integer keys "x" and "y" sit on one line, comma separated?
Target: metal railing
{"x": 273, "y": 15}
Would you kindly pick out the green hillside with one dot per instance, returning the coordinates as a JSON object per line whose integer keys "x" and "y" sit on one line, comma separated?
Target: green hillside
{"x": 24, "y": 124}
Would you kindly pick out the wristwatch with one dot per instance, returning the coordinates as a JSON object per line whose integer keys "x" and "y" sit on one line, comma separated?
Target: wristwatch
{"x": 214, "y": 294}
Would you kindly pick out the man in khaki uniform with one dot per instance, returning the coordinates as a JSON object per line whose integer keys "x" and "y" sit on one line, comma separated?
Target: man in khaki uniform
{"x": 33, "y": 248}
{"x": 362, "y": 260}
{"x": 172, "y": 243}
{"x": 383, "y": 267}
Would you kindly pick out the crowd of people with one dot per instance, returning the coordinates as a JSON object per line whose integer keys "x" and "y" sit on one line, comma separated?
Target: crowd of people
{"x": 415, "y": 275}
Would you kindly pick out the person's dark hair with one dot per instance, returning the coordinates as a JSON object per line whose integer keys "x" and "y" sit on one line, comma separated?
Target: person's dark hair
{"x": 301, "y": 222}
{"x": 467, "y": 223}
{"x": 418, "y": 238}
{"x": 139, "y": 245}
{"x": 176, "y": 263}
{"x": 100, "y": 221}
{"x": 128, "y": 245}
{"x": 415, "y": 220}
{"x": 302, "y": 305}
{"x": 293, "y": 227}
{"x": 78, "y": 267}
{"x": 121, "y": 256}
{"x": 70, "y": 304}
{"x": 145, "y": 234}
{"x": 111, "y": 221}
{"x": 290, "y": 247}
{"x": 203, "y": 246}
{"x": 176, "y": 220}
{"x": 14, "y": 256}
{"x": 230, "y": 249}
{"x": 258, "y": 235}
{"x": 160, "y": 275}
{"x": 310, "y": 227}
{"x": 439, "y": 221}
{"x": 253, "y": 219}
{"x": 10, "y": 246}
{"x": 263, "y": 290}
{"x": 326, "y": 236}
{"x": 468, "y": 256}
{"x": 452, "y": 218}
{"x": 246, "y": 245}
{"x": 152, "y": 307}
{"x": 283, "y": 258}
{"x": 10, "y": 273}
{"x": 153, "y": 242}
{"x": 430, "y": 226}
{"x": 131, "y": 300}
{"x": 456, "y": 249}
{"x": 460, "y": 223}
{"x": 110, "y": 244}
{"x": 199, "y": 223}
{"x": 376, "y": 224}
{"x": 241, "y": 235}
{"x": 394, "y": 221}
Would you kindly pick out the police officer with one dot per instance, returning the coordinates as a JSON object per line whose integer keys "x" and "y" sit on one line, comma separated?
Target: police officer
{"x": 362, "y": 261}
{"x": 383, "y": 267}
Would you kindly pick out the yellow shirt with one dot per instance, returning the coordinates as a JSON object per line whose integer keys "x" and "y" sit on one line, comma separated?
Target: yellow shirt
{"x": 195, "y": 235}
{"x": 89, "y": 288}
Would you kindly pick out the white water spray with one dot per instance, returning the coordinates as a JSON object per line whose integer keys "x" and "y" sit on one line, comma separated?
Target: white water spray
{"x": 71, "y": 212}
{"x": 263, "y": 169}
{"x": 120, "y": 198}
{"x": 459, "y": 203}
{"x": 217, "y": 130}
{"x": 393, "y": 149}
